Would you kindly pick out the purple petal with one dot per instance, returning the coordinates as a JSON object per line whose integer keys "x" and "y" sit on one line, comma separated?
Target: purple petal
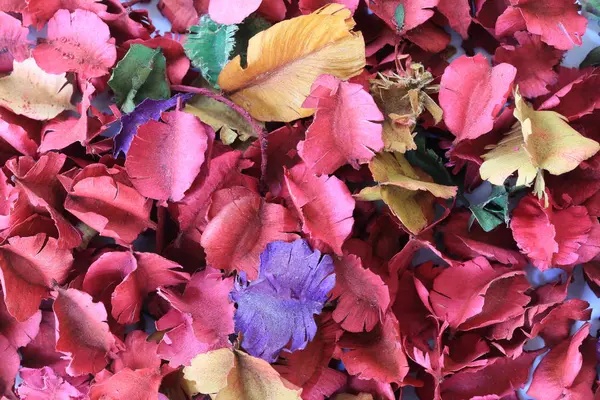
{"x": 145, "y": 111}
{"x": 278, "y": 308}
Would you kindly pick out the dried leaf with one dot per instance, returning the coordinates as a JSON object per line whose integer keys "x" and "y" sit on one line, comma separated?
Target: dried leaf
{"x": 32, "y": 92}
{"x": 285, "y": 60}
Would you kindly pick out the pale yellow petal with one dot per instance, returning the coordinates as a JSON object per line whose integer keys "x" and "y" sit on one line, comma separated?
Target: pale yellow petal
{"x": 372, "y": 193}
{"x": 255, "y": 379}
{"x": 388, "y": 169}
{"x": 552, "y": 144}
{"x": 285, "y": 60}
{"x": 506, "y": 158}
{"x": 32, "y": 92}
{"x": 227, "y": 374}
{"x": 208, "y": 372}
{"x": 405, "y": 205}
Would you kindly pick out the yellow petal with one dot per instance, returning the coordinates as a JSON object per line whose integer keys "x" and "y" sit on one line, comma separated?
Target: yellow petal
{"x": 397, "y": 136}
{"x": 388, "y": 169}
{"x": 32, "y": 92}
{"x": 506, "y": 157}
{"x": 372, "y": 193}
{"x": 285, "y": 60}
{"x": 208, "y": 372}
{"x": 550, "y": 141}
{"x": 408, "y": 206}
{"x": 228, "y": 374}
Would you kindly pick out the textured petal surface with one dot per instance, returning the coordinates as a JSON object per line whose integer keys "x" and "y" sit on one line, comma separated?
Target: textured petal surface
{"x": 362, "y": 296}
{"x": 473, "y": 93}
{"x": 276, "y": 310}
{"x": 344, "y": 129}
{"x": 71, "y": 45}
{"x": 240, "y": 231}
{"x": 82, "y": 333}
{"x": 324, "y": 204}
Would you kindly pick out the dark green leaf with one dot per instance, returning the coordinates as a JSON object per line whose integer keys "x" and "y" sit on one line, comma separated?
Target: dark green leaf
{"x": 592, "y": 59}
{"x": 429, "y": 161}
{"x": 141, "y": 74}
{"x": 250, "y": 27}
{"x": 209, "y": 47}
{"x": 399, "y": 16}
{"x": 493, "y": 211}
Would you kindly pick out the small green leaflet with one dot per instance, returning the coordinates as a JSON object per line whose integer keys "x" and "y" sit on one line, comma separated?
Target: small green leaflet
{"x": 209, "y": 47}
{"x": 399, "y": 16}
{"x": 491, "y": 212}
{"x": 429, "y": 161}
{"x": 592, "y": 59}
{"x": 139, "y": 75}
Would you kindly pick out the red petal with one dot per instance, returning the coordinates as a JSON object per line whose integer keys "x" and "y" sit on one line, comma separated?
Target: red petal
{"x": 559, "y": 368}
{"x": 472, "y": 95}
{"x": 557, "y": 21}
{"x": 17, "y": 333}
{"x": 362, "y": 296}
{"x": 104, "y": 199}
{"x": 416, "y": 12}
{"x": 500, "y": 377}
{"x": 343, "y": 130}
{"x": 308, "y": 368}
{"x": 309, "y": 6}
{"x": 165, "y": 157}
{"x": 182, "y": 13}
{"x": 235, "y": 237}
{"x": 152, "y": 272}
{"x": 8, "y": 367}
{"x": 535, "y": 62}
{"x": 13, "y": 41}
{"x": 128, "y": 384}
{"x": 39, "y": 383}
{"x": 29, "y": 266}
{"x": 458, "y": 14}
{"x": 83, "y": 333}
{"x": 79, "y": 42}
{"x": 556, "y": 325}
{"x": 40, "y": 187}
{"x": 42, "y": 350}
{"x": 40, "y": 11}
{"x": 324, "y": 203}
{"x": 225, "y": 171}
{"x": 550, "y": 237}
{"x": 376, "y": 355}
{"x": 139, "y": 353}
{"x": 206, "y": 307}
{"x": 467, "y": 243}
{"x": 458, "y": 304}
{"x": 135, "y": 276}
{"x": 573, "y": 94}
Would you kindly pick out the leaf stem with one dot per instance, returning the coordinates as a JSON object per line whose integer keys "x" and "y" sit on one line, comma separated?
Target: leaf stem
{"x": 262, "y": 137}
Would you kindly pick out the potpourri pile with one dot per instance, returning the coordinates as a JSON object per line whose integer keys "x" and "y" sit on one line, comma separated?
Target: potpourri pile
{"x": 290, "y": 199}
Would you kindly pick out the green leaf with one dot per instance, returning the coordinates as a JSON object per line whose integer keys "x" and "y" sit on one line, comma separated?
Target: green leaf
{"x": 591, "y": 7}
{"x": 399, "y": 16}
{"x": 592, "y": 59}
{"x": 491, "y": 212}
{"x": 139, "y": 75}
{"x": 429, "y": 161}
{"x": 249, "y": 28}
{"x": 209, "y": 47}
